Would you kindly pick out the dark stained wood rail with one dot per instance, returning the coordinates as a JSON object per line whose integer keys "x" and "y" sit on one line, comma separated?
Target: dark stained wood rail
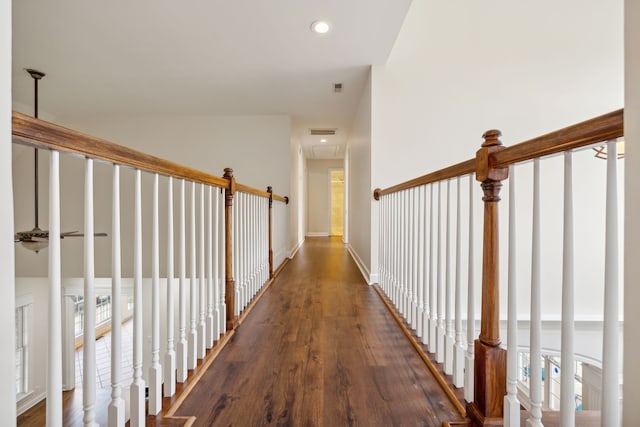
{"x": 599, "y": 129}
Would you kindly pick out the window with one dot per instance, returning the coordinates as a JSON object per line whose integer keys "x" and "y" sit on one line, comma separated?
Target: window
{"x": 103, "y": 311}
{"x": 22, "y": 350}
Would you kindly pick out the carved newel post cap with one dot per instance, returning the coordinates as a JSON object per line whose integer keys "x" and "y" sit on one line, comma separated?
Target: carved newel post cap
{"x": 228, "y": 173}
{"x": 376, "y": 193}
{"x": 491, "y": 138}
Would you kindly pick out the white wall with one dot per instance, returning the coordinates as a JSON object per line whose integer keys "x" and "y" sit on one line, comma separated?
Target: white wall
{"x": 359, "y": 185}
{"x": 318, "y": 195}
{"x": 297, "y": 198}
{"x": 7, "y": 314}
{"x": 631, "y": 411}
{"x": 458, "y": 69}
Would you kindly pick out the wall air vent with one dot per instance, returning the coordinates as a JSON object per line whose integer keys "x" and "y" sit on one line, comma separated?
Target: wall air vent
{"x": 322, "y": 132}
{"x": 337, "y": 87}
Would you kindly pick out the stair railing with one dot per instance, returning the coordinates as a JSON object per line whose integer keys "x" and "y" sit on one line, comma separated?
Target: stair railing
{"x": 230, "y": 254}
{"x": 417, "y": 262}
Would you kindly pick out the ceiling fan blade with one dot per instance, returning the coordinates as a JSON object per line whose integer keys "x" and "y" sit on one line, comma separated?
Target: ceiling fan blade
{"x": 78, "y": 234}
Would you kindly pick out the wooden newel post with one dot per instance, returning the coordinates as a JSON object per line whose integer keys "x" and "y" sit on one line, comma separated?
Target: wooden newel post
{"x": 270, "y": 191}
{"x": 490, "y": 359}
{"x": 230, "y": 283}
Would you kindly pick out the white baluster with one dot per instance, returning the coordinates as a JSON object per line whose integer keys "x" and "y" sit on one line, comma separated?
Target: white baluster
{"x": 433, "y": 319}
{"x": 116, "y": 410}
{"x": 89, "y": 333}
{"x": 138, "y": 387}
{"x": 409, "y": 261}
{"x": 235, "y": 225}
{"x": 414, "y": 257}
{"x": 54, "y": 366}
{"x": 217, "y": 326}
{"x": 181, "y": 356}
{"x": 202, "y": 299}
{"x": 471, "y": 316}
{"x": 170, "y": 355}
{"x": 610, "y": 386}
{"x": 511, "y": 403}
{"x": 192, "y": 339}
{"x": 222, "y": 250}
{"x": 211, "y": 295}
{"x": 420, "y": 261}
{"x": 155, "y": 370}
{"x": 406, "y": 239}
{"x": 440, "y": 283}
{"x": 425, "y": 267}
{"x": 458, "y": 354}
{"x": 535, "y": 380}
{"x": 449, "y": 338}
{"x": 568, "y": 367}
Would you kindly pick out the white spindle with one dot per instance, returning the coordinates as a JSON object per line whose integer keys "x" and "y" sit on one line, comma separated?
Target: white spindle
{"x": 511, "y": 403}
{"x": 170, "y": 355}
{"x": 235, "y": 225}
{"x": 425, "y": 267}
{"x": 420, "y": 260}
{"x": 222, "y": 250}
{"x": 411, "y": 259}
{"x": 448, "y": 303}
{"x": 54, "y": 366}
{"x": 89, "y": 333}
{"x": 471, "y": 313}
{"x": 567, "y": 372}
{"x": 216, "y": 261}
{"x": 458, "y": 355}
{"x": 415, "y": 258}
{"x": 116, "y": 410}
{"x": 440, "y": 283}
{"x": 211, "y": 295}
{"x": 610, "y": 386}
{"x": 202, "y": 299}
{"x": 181, "y": 356}
{"x": 155, "y": 370}
{"x": 433, "y": 319}
{"x": 535, "y": 380}
{"x": 403, "y": 255}
{"x": 192, "y": 340}
{"x": 138, "y": 387}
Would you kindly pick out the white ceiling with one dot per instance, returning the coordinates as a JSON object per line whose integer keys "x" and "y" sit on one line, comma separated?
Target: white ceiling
{"x": 204, "y": 57}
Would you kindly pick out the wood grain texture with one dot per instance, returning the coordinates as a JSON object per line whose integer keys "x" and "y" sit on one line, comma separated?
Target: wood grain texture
{"x": 38, "y": 133}
{"x": 319, "y": 349}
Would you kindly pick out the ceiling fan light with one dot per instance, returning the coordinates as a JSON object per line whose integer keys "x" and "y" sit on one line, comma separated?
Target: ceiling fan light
{"x": 34, "y": 246}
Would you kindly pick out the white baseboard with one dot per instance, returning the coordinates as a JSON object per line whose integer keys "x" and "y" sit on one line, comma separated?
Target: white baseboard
{"x": 363, "y": 268}
{"x": 29, "y": 401}
{"x": 295, "y": 249}
{"x": 317, "y": 234}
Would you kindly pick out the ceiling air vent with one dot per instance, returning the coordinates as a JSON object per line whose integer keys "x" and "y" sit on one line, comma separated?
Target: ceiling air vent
{"x": 322, "y": 132}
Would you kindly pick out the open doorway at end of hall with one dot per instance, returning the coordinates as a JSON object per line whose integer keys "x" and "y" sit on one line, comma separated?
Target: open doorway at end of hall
{"x": 336, "y": 201}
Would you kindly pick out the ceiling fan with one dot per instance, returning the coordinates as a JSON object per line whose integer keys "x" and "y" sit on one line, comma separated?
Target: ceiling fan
{"x": 37, "y": 239}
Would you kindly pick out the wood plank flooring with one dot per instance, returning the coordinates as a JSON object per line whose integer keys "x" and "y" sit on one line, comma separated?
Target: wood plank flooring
{"x": 319, "y": 349}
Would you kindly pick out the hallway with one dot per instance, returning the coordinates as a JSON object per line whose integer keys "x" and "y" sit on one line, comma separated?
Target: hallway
{"x": 320, "y": 349}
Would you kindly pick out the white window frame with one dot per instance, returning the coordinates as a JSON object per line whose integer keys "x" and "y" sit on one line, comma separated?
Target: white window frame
{"x": 24, "y": 304}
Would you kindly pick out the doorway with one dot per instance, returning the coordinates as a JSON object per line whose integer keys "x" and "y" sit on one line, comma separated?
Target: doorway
{"x": 336, "y": 201}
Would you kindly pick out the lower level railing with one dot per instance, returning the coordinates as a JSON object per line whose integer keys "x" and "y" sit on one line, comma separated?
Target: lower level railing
{"x": 427, "y": 263}
{"x": 216, "y": 257}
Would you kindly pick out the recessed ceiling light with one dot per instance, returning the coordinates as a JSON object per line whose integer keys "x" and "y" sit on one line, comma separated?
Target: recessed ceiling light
{"x": 320, "y": 27}
{"x": 323, "y": 140}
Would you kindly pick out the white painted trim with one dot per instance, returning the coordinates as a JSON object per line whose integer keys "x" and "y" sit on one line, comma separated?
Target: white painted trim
{"x": 295, "y": 249}
{"x": 28, "y": 401}
{"x": 317, "y": 234}
{"x": 363, "y": 268}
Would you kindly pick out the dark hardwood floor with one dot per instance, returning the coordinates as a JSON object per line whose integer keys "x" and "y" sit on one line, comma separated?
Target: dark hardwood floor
{"x": 319, "y": 349}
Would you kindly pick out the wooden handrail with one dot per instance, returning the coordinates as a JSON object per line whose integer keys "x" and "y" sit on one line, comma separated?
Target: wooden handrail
{"x": 459, "y": 169}
{"x": 599, "y": 129}
{"x": 41, "y": 134}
